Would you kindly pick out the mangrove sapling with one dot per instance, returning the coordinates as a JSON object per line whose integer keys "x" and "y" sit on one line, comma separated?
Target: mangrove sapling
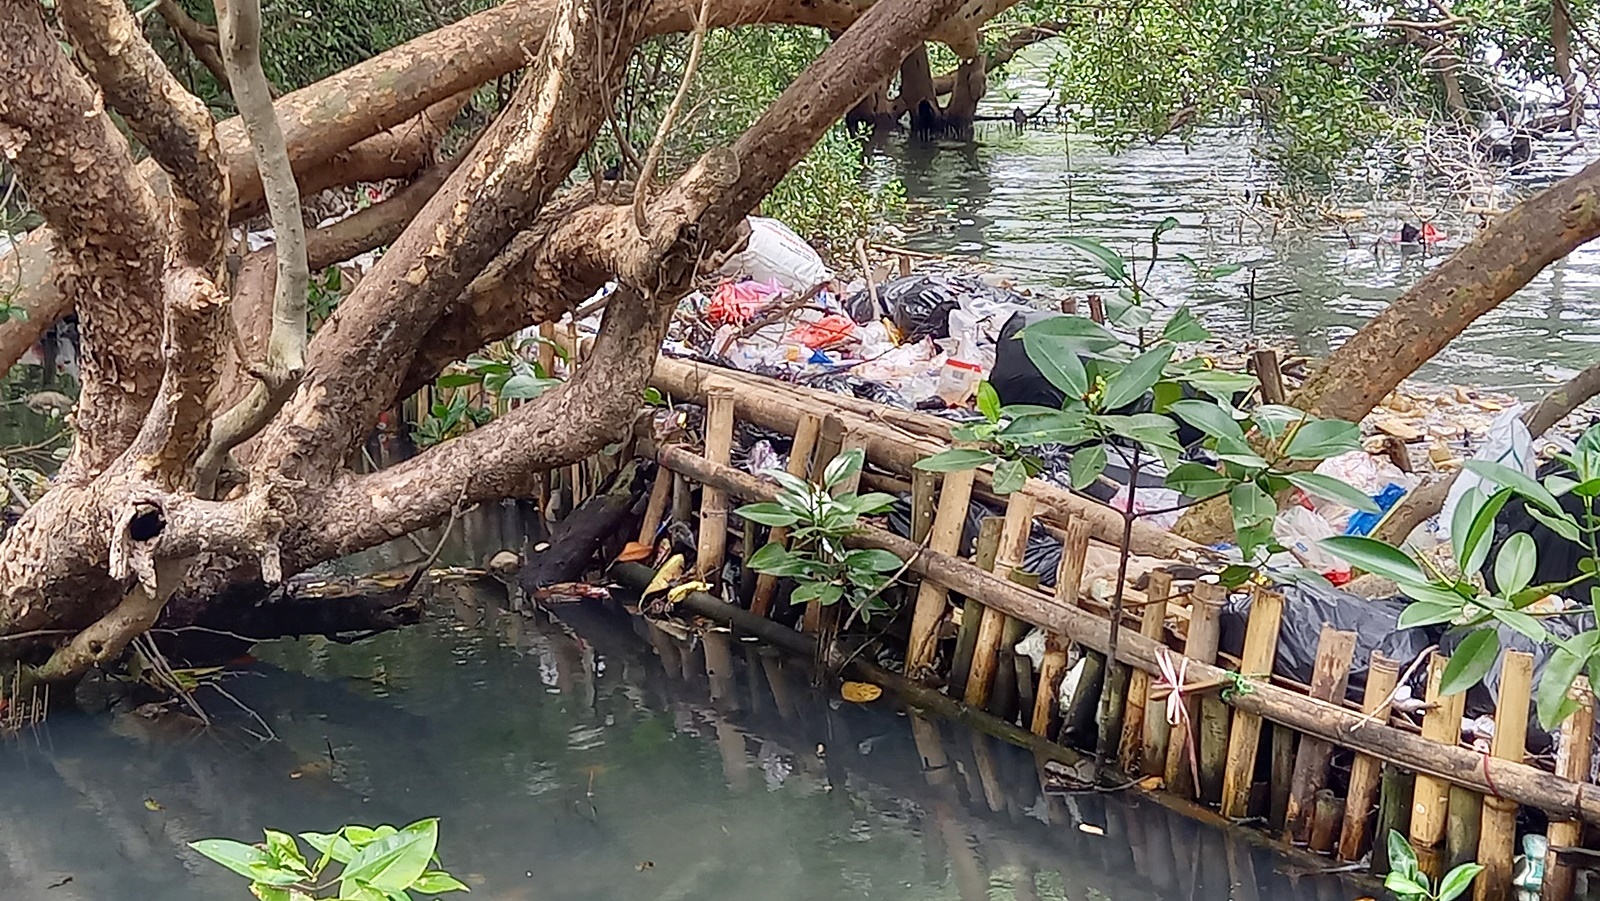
{"x": 376, "y": 864}
{"x": 1461, "y": 601}
{"x": 823, "y": 569}
{"x": 1409, "y": 883}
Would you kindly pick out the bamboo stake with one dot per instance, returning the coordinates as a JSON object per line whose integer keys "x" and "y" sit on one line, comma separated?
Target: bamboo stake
{"x": 955, "y": 493}
{"x": 984, "y": 552}
{"x": 1497, "y": 839}
{"x": 1395, "y": 790}
{"x": 1431, "y": 803}
{"x": 1382, "y": 674}
{"x": 1281, "y": 769}
{"x": 1464, "y": 827}
{"x": 1572, "y": 762}
{"x": 1330, "y": 675}
{"x": 923, "y": 486}
{"x": 1013, "y": 544}
{"x": 1205, "y": 630}
{"x": 805, "y": 441}
{"x": 656, "y": 509}
{"x": 714, "y": 501}
{"x": 1271, "y": 375}
{"x": 1130, "y": 748}
{"x": 1069, "y": 577}
{"x": 1327, "y": 812}
{"x": 1260, "y": 651}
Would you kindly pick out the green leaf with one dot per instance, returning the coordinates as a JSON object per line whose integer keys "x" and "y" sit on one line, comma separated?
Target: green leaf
{"x": 1589, "y": 488}
{"x": 1150, "y": 429}
{"x": 1250, "y": 505}
{"x": 1565, "y": 525}
{"x": 654, "y": 397}
{"x": 1517, "y": 480}
{"x": 1275, "y": 419}
{"x": 1472, "y": 660}
{"x": 1426, "y": 613}
{"x": 775, "y": 560}
{"x": 437, "y": 882}
{"x": 1208, "y": 418}
{"x": 1513, "y": 569}
{"x": 393, "y": 862}
{"x": 824, "y": 593}
{"x": 1080, "y": 331}
{"x": 791, "y": 484}
{"x": 1457, "y": 881}
{"x": 1134, "y": 379}
{"x": 1404, "y": 887}
{"x": 1219, "y": 384}
{"x": 1402, "y": 859}
{"x": 1475, "y": 547}
{"x": 1164, "y": 226}
{"x": 842, "y": 467}
{"x": 1374, "y": 557}
{"x": 988, "y": 401}
{"x": 1197, "y": 481}
{"x": 873, "y": 559}
{"x": 955, "y": 459}
{"x": 1184, "y": 328}
{"x": 1551, "y": 700}
{"x": 1054, "y": 427}
{"x": 526, "y": 387}
{"x": 1330, "y": 488}
{"x": 768, "y": 515}
{"x": 1087, "y": 464}
{"x": 1109, "y": 262}
{"x": 869, "y": 503}
{"x": 236, "y": 856}
{"x": 1240, "y": 453}
{"x": 458, "y": 379}
{"x": 332, "y": 847}
{"x": 1009, "y": 476}
{"x": 1521, "y": 622}
{"x": 1433, "y": 594}
{"x": 1057, "y": 359}
{"x": 1323, "y": 438}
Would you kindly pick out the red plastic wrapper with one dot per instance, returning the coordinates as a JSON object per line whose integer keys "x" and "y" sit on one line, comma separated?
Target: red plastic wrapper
{"x": 735, "y": 303}
{"x": 825, "y": 332}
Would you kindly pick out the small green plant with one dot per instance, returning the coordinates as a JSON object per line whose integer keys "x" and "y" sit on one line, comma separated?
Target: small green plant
{"x": 376, "y": 864}
{"x": 1410, "y": 884}
{"x": 448, "y": 419}
{"x": 820, "y": 521}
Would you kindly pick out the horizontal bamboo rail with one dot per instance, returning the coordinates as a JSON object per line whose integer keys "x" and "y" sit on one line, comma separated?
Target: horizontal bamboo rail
{"x": 1560, "y": 797}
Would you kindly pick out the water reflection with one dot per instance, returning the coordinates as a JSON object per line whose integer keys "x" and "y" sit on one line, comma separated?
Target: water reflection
{"x": 593, "y": 758}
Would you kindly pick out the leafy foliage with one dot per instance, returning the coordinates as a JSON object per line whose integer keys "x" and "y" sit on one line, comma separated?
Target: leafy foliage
{"x": 823, "y": 568}
{"x": 376, "y": 864}
{"x": 1409, "y": 883}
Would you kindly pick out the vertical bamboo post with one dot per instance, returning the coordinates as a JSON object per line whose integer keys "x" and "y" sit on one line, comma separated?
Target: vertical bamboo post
{"x": 1572, "y": 762}
{"x": 1327, "y": 812}
{"x": 983, "y": 555}
{"x": 1463, "y": 827}
{"x": 1153, "y": 617}
{"x": 1330, "y": 675}
{"x": 547, "y": 349}
{"x": 1205, "y": 630}
{"x": 1069, "y": 579}
{"x": 1497, "y": 839}
{"x": 1430, "y": 804}
{"x": 986, "y": 655}
{"x": 955, "y": 493}
{"x": 1382, "y": 674}
{"x": 1281, "y": 742}
{"x": 1260, "y": 651}
{"x": 923, "y": 486}
{"x": 656, "y": 509}
{"x": 1395, "y": 789}
{"x": 805, "y": 441}
{"x": 1271, "y": 376}
{"x": 713, "y": 501}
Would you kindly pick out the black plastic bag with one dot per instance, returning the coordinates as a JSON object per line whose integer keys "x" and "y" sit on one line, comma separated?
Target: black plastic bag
{"x": 920, "y": 305}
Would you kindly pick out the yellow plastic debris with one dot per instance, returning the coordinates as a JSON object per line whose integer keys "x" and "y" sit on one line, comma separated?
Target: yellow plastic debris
{"x": 860, "y": 692}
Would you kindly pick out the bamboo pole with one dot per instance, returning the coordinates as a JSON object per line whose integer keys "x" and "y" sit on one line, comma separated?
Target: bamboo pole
{"x": 1463, "y": 827}
{"x": 1327, "y": 812}
{"x": 1572, "y": 762}
{"x": 713, "y": 500}
{"x": 955, "y": 493}
{"x": 986, "y": 655}
{"x": 1130, "y": 748}
{"x": 805, "y": 441}
{"x": 983, "y": 555}
{"x": 656, "y": 509}
{"x": 924, "y": 484}
{"x": 1396, "y": 787}
{"x": 1205, "y": 630}
{"x": 1330, "y": 675}
{"x": 1069, "y": 576}
{"x": 1260, "y": 651}
{"x": 1270, "y": 373}
{"x": 1382, "y": 674}
{"x": 1281, "y": 743}
{"x": 1497, "y": 839}
{"x": 1430, "y": 805}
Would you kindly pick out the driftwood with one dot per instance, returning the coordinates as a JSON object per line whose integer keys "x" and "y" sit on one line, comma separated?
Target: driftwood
{"x": 575, "y": 540}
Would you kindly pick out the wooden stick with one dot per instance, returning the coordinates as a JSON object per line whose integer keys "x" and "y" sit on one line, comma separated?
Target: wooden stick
{"x": 1463, "y": 827}
{"x": 1069, "y": 576}
{"x": 656, "y": 509}
{"x": 955, "y": 493}
{"x": 923, "y": 486}
{"x": 1396, "y": 787}
{"x": 1281, "y": 743}
{"x": 1382, "y": 674}
{"x": 1271, "y": 375}
{"x": 713, "y": 500}
{"x": 1330, "y": 674}
{"x": 1572, "y": 762}
{"x": 984, "y": 552}
{"x": 1260, "y": 651}
{"x": 547, "y": 349}
{"x": 1327, "y": 813}
{"x": 805, "y": 441}
{"x": 986, "y": 656}
{"x": 1431, "y": 804}
{"x": 1497, "y": 839}
{"x": 1205, "y": 630}
{"x": 1130, "y": 749}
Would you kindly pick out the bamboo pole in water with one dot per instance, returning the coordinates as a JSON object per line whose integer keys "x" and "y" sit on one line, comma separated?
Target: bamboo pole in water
{"x": 1463, "y": 827}
{"x": 1497, "y": 839}
{"x": 805, "y": 441}
{"x": 713, "y": 500}
{"x": 1281, "y": 742}
{"x": 984, "y": 552}
{"x": 1396, "y": 787}
{"x": 1382, "y": 675}
{"x": 1430, "y": 806}
{"x": 1327, "y": 812}
{"x": 955, "y": 493}
{"x": 1330, "y": 674}
{"x": 1260, "y": 651}
{"x": 1130, "y": 747}
{"x": 1205, "y": 630}
{"x": 986, "y": 655}
{"x": 1572, "y": 762}
{"x": 1069, "y": 576}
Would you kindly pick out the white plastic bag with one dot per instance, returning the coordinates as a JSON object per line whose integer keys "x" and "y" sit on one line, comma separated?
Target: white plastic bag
{"x": 1508, "y": 443}
{"x": 776, "y": 254}
{"x": 1300, "y": 530}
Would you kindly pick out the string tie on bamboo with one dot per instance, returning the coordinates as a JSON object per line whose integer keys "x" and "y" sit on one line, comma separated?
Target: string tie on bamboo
{"x": 1173, "y": 679}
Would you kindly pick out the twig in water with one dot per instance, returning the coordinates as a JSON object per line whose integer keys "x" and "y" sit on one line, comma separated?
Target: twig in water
{"x": 433, "y": 556}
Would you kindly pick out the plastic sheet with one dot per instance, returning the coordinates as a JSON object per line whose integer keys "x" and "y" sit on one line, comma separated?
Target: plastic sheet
{"x": 776, "y": 254}
{"x": 920, "y": 306}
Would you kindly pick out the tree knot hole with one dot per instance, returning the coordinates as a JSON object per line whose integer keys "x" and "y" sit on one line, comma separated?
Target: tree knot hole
{"x": 147, "y": 522}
